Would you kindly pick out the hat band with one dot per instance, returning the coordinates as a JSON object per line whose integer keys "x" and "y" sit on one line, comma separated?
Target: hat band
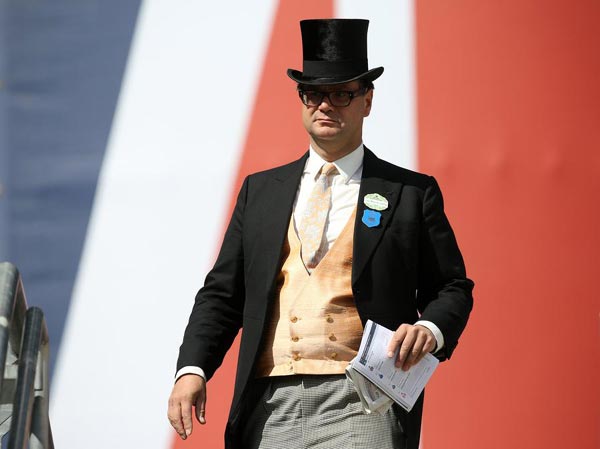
{"x": 330, "y": 69}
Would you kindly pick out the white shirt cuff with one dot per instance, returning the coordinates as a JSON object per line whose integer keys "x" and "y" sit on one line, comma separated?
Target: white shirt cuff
{"x": 437, "y": 333}
{"x": 190, "y": 370}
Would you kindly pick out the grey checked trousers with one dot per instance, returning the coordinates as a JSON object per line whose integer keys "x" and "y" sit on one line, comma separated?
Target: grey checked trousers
{"x": 315, "y": 412}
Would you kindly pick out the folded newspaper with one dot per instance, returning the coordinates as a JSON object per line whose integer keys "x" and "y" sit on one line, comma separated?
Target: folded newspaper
{"x": 377, "y": 380}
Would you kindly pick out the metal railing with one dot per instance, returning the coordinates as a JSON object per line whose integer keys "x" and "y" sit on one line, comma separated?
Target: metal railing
{"x": 24, "y": 352}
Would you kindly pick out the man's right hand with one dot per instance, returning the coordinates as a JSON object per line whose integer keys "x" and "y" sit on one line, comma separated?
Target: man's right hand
{"x": 188, "y": 391}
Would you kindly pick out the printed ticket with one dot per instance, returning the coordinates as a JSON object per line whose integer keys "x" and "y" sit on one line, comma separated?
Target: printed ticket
{"x": 404, "y": 387}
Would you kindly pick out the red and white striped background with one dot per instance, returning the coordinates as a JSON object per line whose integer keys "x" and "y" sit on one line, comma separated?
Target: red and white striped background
{"x": 498, "y": 100}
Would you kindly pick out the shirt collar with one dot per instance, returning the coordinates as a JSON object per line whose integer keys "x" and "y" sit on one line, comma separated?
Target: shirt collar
{"x": 347, "y": 165}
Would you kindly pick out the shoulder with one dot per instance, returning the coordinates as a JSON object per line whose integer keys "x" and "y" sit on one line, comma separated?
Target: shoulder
{"x": 376, "y": 167}
{"x": 279, "y": 172}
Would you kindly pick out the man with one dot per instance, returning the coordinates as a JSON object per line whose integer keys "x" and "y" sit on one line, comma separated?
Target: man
{"x": 313, "y": 250}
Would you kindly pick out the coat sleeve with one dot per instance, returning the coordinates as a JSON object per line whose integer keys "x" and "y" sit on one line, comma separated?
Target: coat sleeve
{"x": 444, "y": 293}
{"x": 217, "y": 313}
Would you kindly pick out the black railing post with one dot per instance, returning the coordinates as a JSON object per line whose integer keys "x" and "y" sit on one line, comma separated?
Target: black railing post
{"x": 24, "y": 397}
{"x": 23, "y": 338}
{"x": 12, "y": 312}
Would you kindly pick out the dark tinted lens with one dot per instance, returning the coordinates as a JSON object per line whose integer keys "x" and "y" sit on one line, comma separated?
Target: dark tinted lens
{"x": 312, "y": 98}
{"x": 336, "y": 98}
{"x": 340, "y": 98}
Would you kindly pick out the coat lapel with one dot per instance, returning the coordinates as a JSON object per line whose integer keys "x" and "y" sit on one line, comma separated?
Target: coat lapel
{"x": 365, "y": 238}
{"x": 280, "y": 200}
{"x": 278, "y": 210}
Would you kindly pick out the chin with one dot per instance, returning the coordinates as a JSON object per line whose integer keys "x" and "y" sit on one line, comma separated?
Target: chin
{"x": 326, "y": 133}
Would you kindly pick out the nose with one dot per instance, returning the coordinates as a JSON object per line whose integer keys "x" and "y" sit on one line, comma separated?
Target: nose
{"x": 325, "y": 103}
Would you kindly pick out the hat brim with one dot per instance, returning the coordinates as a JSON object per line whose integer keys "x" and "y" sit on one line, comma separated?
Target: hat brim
{"x": 297, "y": 76}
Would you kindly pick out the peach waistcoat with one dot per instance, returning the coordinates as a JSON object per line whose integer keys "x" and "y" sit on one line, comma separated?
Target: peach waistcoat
{"x": 314, "y": 326}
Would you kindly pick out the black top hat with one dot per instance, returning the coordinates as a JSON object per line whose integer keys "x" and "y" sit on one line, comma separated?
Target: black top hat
{"x": 334, "y": 52}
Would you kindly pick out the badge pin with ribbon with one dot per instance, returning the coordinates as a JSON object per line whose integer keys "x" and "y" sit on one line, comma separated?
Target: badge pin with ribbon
{"x": 371, "y": 218}
{"x": 376, "y": 201}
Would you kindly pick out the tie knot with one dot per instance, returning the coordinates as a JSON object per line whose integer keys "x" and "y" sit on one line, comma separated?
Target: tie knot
{"x": 328, "y": 169}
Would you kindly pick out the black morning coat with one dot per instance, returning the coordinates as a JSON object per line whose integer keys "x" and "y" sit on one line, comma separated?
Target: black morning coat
{"x": 407, "y": 268}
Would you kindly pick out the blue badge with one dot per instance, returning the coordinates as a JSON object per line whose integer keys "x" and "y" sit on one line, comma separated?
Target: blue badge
{"x": 371, "y": 218}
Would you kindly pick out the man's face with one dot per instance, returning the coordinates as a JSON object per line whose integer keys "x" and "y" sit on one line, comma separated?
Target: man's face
{"x": 336, "y": 130}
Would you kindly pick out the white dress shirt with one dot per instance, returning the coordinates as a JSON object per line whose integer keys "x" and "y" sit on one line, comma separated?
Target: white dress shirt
{"x": 344, "y": 198}
{"x": 344, "y": 190}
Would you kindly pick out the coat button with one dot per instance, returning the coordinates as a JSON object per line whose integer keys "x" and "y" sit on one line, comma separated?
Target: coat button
{"x": 294, "y": 319}
{"x": 296, "y": 357}
{"x": 329, "y": 319}
{"x": 333, "y": 355}
{"x": 332, "y": 337}
{"x": 295, "y": 338}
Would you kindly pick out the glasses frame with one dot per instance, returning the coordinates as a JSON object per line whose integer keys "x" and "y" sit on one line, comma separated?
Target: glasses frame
{"x": 352, "y": 94}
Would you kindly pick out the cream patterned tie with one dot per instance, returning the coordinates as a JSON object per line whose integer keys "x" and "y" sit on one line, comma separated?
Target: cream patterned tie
{"x": 314, "y": 218}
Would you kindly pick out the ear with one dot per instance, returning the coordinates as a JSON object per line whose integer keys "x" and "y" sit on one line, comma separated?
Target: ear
{"x": 368, "y": 101}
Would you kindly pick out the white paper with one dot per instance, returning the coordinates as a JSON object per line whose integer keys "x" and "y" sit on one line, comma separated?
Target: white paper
{"x": 404, "y": 387}
{"x": 373, "y": 400}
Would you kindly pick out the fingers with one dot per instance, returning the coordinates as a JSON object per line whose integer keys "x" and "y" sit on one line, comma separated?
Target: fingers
{"x": 397, "y": 340}
{"x": 201, "y": 407}
{"x": 188, "y": 391}
{"x": 414, "y": 342}
{"x": 186, "y": 418}
{"x": 406, "y": 348}
{"x": 415, "y": 352}
{"x": 176, "y": 417}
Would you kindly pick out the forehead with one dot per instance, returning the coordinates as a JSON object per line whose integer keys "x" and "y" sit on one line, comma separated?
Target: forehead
{"x": 352, "y": 85}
